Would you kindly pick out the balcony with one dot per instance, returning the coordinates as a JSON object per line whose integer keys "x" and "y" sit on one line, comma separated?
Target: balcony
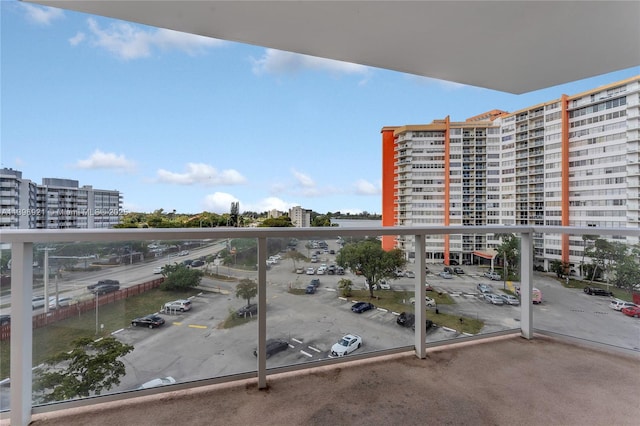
{"x": 513, "y": 349}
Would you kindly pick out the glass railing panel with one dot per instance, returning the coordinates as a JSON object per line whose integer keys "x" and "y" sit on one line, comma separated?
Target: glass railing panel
{"x": 584, "y": 297}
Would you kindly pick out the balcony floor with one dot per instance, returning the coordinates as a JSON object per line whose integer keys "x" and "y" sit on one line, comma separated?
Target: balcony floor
{"x": 501, "y": 381}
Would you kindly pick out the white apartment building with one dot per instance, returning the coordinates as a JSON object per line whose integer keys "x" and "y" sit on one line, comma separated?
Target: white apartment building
{"x": 300, "y": 218}
{"x": 572, "y": 161}
{"x": 55, "y": 204}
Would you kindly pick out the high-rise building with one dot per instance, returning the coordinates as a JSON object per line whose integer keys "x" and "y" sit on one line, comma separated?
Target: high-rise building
{"x": 300, "y": 218}
{"x": 56, "y": 204}
{"x": 571, "y": 161}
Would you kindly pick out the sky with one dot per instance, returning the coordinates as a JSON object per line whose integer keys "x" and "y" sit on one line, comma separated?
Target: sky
{"x": 181, "y": 122}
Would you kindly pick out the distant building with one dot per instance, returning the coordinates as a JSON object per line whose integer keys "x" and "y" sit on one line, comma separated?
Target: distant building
{"x": 300, "y": 218}
{"x": 273, "y": 214}
{"x": 55, "y": 204}
{"x": 570, "y": 161}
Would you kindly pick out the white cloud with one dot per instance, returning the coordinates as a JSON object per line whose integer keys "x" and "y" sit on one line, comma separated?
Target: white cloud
{"x": 105, "y": 160}
{"x": 220, "y": 202}
{"x": 269, "y": 203}
{"x": 303, "y": 179}
{"x": 199, "y": 173}
{"x": 42, "y": 15}
{"x": 280, "y": 62}
{"x": 77, "y": 39}
{"x": 127, "y": 41}
{"x": 364, "y": 187}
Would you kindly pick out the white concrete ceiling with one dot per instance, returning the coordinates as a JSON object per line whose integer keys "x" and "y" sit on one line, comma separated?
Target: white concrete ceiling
{"x": 510, "y": 46}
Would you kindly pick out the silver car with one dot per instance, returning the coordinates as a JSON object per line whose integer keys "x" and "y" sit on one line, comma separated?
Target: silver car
{"x": 510, "y": 300}
{"x": 493, "y": 299}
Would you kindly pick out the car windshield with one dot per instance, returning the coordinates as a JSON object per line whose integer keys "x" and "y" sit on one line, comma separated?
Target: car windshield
{"x": 343, "y": 342}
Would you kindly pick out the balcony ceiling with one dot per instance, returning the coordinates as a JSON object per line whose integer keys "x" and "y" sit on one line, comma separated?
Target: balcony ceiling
{"x": 515, "y": 47}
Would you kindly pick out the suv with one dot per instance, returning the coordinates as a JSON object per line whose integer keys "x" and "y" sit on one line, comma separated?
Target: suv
{"x": 105, "y": 288}
{"x": 181, "y": 305}
{"x": 618, "y": 304}
{"x": 103, "y": 282}
{"x": 595, "y": 291}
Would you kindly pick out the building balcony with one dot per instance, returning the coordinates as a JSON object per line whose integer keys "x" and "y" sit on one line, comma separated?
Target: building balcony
{"x": 216, "y": 371}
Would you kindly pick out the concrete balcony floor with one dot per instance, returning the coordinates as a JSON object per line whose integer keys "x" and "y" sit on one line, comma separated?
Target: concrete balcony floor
{"x": 505, "y": 380}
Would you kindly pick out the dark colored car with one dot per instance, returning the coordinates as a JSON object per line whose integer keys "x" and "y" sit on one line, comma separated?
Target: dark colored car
{"x": 406, "y": 319}
{"x": 360, "y": 307}
{"x": 197, "y": 263}
{"x": 247, "y": 310}
{"x": 273, "y": 347}
{"x": 5, "y": 319}
{"x": 103, "y": 282}
{"x": 151, "y": 321}
{"x": 310, "y": 289}
{"x": 315, "y": 282}
{"x": 458, "y": 270}
{"x": 105, "y": 288}
{"x": 595, "y": 291}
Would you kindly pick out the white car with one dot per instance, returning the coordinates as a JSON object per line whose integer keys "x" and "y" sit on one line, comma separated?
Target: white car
{"x": 62, "y": 302}
{"x": 160, "y": 381}
{"x": 310, "y": 271}
{"x": 430, "y": 302}
{"x": 384, "y": 285}
{"x": 618, "y": 304}
{"x": 346, "y": 345}
{"x": 157, "y": 270}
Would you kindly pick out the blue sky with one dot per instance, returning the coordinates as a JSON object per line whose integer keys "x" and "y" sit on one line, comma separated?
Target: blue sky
{"x": 176, "y": 121}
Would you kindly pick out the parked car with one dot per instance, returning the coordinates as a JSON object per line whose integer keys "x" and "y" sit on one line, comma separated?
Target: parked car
{"x": 311, "y": 271}
{"x": 181, "y": 305}
{"x": 315, "y": 282}
{"x": 340, "y": 270}
{"x": 446, "y": 275}
{"x": 428, "y": 300}
{"x": 510, "y": 300}
{"x": 197, "y": 263}
{"x": 384, "y": 285}
{"x": 409, "y": 274}
{"x": 310, "y": 289}
{"x": 596, "y": 291}
{"x": 151, "y": 321}
{"x": 633, "y": 311}
{"x": 406, "y": 319}
{"x": 494, "y": 276}
{"x": 489, "y": 273}
{"x": 484, "y": 288}
{"x": 103, "y": 282}
{"x": 299, "y": 271}
{"x": 160, "y": 381}
{"x": 346, "y": 345}
{"x": 448, "y": 269}
{"x": 105, "y": 288}
{"x": 273, "y": 347}
{"x": 619, "y": 305}
{"x": 493, "y": 299}
{"x": 458, "y": 270}
{"x": 247, "y": 310}
{"x": 157, "y": 270}
{"x": 360, "y": 307}
{"x": 5, "y": 319}
{"x": 428, "y": 287}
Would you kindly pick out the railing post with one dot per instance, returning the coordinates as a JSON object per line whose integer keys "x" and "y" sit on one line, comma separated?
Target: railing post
{"x": 420, "y": 293}
{"x": 262, "y": 313}
{"x": 21, "y": 332}
{"x": 526, "y": 286}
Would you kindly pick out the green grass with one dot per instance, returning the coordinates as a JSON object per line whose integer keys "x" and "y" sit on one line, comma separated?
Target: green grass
{"x": 617, "y": 292}
{"x": 57, "y": 337}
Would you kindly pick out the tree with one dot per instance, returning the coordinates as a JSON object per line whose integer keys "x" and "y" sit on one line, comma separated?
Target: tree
{"x": 89, "y": 368}
{"x": 295, "y": 255}
{"x": 368, "y": 257}
{"x": 235, "y": 212}
{"x": 246, "y": 289}
{"x": 509, "y": 251}
{"x": 179, "y": 277}
{"x": 345, "y": 285}
{"x": 276, "y": 222}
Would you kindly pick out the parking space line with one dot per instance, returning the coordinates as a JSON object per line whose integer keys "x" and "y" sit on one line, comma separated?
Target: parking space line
{"x": 296, "y": 340}
{"x": 197, "y": 326}
{"x": 314, "y": 349}
{"x": 306, "y": 353}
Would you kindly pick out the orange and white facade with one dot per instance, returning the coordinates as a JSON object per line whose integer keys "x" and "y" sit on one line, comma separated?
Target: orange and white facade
{"x": 572, "y": 161}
